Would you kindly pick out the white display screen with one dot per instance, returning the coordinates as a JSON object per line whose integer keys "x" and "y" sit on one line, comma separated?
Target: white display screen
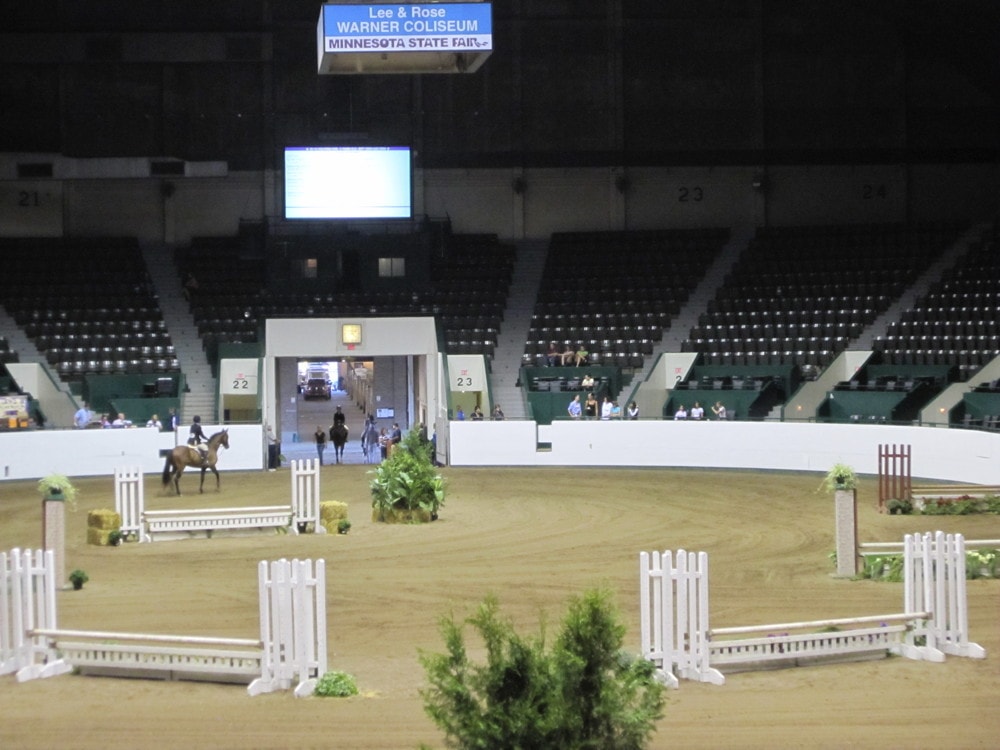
{"x": 348, "y": 182}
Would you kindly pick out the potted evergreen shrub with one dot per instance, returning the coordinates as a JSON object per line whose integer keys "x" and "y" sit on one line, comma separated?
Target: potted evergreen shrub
{"x": 78, "y": 578}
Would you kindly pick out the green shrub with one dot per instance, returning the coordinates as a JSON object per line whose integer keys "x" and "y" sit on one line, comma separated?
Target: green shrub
{"x": 584, "y": 692}
{"x": 961, "y": 506}
{"x": 980, "y": 563}
{"x": 336, "y": 685}
{"x": 407, "y": 479}
{"x": 343, "y": 526}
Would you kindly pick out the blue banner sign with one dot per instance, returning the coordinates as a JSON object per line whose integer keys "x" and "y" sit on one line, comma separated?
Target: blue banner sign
{"x": 451, "y": 27}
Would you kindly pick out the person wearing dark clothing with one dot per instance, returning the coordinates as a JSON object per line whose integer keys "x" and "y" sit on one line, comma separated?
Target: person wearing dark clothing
{"x": 339, "y": 417}
{"x": 320, "y": 443}
{"x": 196, "y": 436}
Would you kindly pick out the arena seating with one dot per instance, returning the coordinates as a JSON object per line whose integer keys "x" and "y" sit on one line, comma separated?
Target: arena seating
{"x": 798, "y": 295}
{"x": 87, "y": 304}
{"x": 616, "y": 292}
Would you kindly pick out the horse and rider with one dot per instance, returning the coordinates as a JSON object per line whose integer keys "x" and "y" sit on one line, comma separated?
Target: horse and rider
{"x": 338, "y": 434}
{"x": 200, "y": 452}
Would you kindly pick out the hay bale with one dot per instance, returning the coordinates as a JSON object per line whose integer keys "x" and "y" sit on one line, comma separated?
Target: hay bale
{"x": 331, "y": 513}
{"x": 401, "y": 515}
{"x": 99, "y": 537}
{"x": 102, "y": 518}
{"x": 100, "y": 523}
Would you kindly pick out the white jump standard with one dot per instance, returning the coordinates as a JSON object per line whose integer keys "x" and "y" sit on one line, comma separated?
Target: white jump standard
{"x": 675, "y": 633}
{"x": 147, "y": 525}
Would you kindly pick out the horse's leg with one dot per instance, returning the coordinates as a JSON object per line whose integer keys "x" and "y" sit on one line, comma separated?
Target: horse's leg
{"x": 201, "y": 487}
{"x": 215, "y": 471}
{"x": 178, "y": 470}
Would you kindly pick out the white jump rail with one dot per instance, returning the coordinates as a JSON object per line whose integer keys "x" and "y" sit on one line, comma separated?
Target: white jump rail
{"x": 181, "y": 523}
{"x": 676, "y": 637}
{"x": 170, "y": 657}
{"x": 289, "y": 654}
{"x": 300, "y": 515}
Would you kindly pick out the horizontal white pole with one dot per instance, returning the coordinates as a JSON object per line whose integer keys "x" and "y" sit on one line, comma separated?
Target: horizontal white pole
{"x": 820, "y": 623}
{"x": 193, "y": 640}
{"x": 219, "y": 511}
{"x": 899, "y": 545}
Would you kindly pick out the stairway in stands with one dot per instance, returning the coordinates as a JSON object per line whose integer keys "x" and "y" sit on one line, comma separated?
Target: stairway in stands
{"x": 202, "y": 387}
{"x": 514, "y": 331}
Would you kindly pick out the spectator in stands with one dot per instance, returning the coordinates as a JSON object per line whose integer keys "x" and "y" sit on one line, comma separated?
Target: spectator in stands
{"x": 616, "y": 410}
{"x": 154, "y": 421}
{"x": 588, "y": 381}
{"x": 681, "y": 412}
{"x": 105, "y": 422}
{"x": 553, "y": 356}
{"x": 190, "y": 286}
{"x": 581, "y": 356}
{"x": 497, "y": 413}
{"x": 719, "y": 410}
{"x": 460, "y": 414}
{"x": 606, "y": 409}
{"x": 574, "y": 409}
{"x": 697, "y": 412}
{"x": 477, "y": 414}
{"x": 121, "y": 421}
{"x": 566, "y": 358}
{"x": 174, "y": 420}
{"x": 633, "y": 410}
{"x": 320, "y": 436}
{"x": 83, "y": 417}
{"x": 591, "y": 406}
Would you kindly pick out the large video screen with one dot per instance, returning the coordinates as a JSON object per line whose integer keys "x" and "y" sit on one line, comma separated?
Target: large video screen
{"x": 348, "y": 182}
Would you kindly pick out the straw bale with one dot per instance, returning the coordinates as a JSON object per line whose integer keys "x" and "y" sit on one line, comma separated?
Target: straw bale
{"x": 102, "y": 518}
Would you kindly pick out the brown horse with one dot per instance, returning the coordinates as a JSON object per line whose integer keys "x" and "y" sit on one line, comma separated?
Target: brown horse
{"x": 188, "y": 455}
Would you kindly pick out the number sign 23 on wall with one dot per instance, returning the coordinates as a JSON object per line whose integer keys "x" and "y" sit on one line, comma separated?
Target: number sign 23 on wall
{"x": 466, "y": 372}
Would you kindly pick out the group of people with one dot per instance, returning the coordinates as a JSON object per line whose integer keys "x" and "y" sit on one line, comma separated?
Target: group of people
{"x": 371, "y": 437}
{"x": 496, "y": 415}
{"x": 568, "y": 356}
{"x": 607, "y": 410}
{"x": 698, "y": 413}
{"x": 85, "y": 418}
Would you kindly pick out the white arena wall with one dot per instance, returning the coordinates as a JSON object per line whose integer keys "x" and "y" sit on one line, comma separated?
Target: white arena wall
{"x": 81, "y": 453}
{"x": 942, "y": 454}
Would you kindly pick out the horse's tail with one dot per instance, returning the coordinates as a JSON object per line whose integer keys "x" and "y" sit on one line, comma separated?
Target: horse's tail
{"x": 166, "y": 470}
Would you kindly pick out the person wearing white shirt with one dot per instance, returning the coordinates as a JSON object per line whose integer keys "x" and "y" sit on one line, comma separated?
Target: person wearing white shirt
{"x": 606, "y": 409}
{"x": 697, "y": 412}
{"x": 681, "y": 412}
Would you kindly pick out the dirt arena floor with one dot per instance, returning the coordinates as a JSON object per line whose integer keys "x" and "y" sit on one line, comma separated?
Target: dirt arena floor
{"x": 533, "y": 537}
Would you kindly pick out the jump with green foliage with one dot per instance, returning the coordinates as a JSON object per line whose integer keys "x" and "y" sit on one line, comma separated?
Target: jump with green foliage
{"x": 584, "y": 692}
{"x": 406, "y": 486}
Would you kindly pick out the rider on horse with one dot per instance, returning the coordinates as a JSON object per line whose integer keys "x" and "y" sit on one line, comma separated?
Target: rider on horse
{"x": 197, "y": 439}
{"x": 339, "y": 418}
